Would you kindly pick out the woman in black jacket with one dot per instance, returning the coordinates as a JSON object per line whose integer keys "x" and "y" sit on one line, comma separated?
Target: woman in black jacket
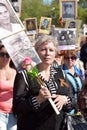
{"x": 31, "y": 100}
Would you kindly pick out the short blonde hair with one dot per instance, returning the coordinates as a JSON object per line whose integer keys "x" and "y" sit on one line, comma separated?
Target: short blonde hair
{"x": 45, "y": 39}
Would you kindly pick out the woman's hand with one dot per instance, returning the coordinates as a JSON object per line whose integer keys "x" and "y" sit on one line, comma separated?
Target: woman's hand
{"x": 44, "y": 94}
{"x": 59, "y": 100}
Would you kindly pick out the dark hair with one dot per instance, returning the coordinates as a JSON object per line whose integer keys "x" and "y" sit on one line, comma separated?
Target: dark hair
{"x": 11, "y": 62}
{"x": 72, "y": 24}
{"x": 12, "y": 65}
{"x": 1, "y": 45}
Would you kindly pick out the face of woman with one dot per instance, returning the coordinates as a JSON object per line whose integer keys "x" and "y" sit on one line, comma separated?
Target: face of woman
{"x": 70, "y": 61}
{"x": 4, "y": 15}
{"x": 47, "y": 52}
{"x": 4, "y": 57}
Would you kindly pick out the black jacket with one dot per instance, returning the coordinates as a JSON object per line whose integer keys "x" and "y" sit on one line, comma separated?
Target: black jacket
{"x": 83, "y": 54}
{"x": 44, "y": 118}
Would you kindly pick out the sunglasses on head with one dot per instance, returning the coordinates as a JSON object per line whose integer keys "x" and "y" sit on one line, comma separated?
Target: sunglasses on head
{"x": 72, "y": 58}
{"x": 4, "y": 54}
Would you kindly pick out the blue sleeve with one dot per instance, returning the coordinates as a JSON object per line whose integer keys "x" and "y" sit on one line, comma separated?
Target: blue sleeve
{"x": 79, "y": 72}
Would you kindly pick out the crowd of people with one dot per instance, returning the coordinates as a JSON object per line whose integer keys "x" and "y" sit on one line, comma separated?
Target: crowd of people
{"x": 63, "y": 82}
{"x": 32, "y": 105}
{"x": 29, "y": 97}
{"x": 25, "y": 101}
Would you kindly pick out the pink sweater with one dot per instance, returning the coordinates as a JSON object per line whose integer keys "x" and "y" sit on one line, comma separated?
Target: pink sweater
{"x": 6, "y": 95}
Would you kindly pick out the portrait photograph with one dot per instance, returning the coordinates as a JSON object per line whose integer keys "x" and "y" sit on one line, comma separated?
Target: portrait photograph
{"x": 9, "y": 21}
{"x": 45, "y": 25}
{"x": 75, "y": 24}
{"x": 31, "y": 25}
{"x": 17, "y": 6}
{"x": 65, "y": 38}
{"x": 19, "y": 47}
{"x": 68, "y": 9}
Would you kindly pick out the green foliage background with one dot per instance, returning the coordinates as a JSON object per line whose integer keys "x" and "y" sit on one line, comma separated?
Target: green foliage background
{"x": 36, "y": 8}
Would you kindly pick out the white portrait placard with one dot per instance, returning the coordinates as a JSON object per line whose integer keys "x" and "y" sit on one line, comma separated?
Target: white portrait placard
{"x": 9, "y": 21}
{"x": 65, "y": 37}
{"x": 19, "y": 47}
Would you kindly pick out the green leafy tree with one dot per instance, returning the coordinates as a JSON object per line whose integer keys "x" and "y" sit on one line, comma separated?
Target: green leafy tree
{"x": 83, "y": 3}
{"x": 82, "y": 14}
{"x": 36, "y": 8}
{"x": 82, "y": 11}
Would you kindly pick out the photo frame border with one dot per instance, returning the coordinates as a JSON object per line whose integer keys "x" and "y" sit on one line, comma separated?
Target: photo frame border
{"x": 61, "y": 13}
{"x": 78, "y": 27}
{"x": 31, "y": 32}
{"x": 64, "y": 46}
{"x": 45, "y": 31}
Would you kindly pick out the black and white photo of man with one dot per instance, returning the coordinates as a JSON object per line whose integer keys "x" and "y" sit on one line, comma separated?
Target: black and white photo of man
{"x": 68, "y": 9}
{"x": 45, "y": 24}
{"x": 16, "y": 5}
{"x": 72, "y": 24}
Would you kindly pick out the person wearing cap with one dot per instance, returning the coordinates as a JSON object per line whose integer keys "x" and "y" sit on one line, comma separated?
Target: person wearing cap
{"x": 68, "y": 10}
{"x": 72, "y": 24}
{"x": 75, "y": 75}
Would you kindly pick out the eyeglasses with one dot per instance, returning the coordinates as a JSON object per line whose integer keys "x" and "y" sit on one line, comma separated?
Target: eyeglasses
{"x": 4, "y": 54}
{"x": 72, "y": 58}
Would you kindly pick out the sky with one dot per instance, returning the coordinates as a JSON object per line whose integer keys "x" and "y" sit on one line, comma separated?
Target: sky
{"x": 47, "y": 1}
